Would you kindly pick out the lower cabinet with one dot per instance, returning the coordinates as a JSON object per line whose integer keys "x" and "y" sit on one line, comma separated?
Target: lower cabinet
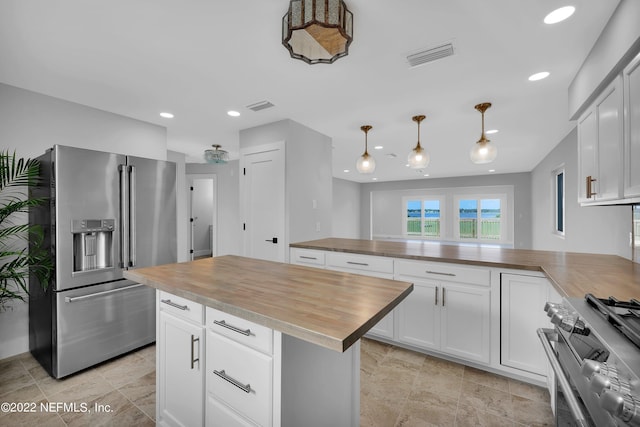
{"x": 522, "y": 313}
{"x": 444, "y": 315}
{"x": 180, "y": 366}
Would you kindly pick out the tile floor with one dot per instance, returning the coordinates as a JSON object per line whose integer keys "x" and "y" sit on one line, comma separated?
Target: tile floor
{"x": 399, "y": 388}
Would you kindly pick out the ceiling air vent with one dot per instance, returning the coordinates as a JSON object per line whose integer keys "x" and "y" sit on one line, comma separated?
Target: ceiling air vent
{"x": 431, "y": 54}
{"x": 260, "y": 106}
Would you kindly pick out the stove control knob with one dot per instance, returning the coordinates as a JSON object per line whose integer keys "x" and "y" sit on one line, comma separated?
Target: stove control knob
{"x": 625, "y": 407}
{"x": 601, "y": 383}
{"x": 590, "y": 367}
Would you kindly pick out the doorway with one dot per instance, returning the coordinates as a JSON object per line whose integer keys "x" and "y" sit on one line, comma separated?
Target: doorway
{"x": 203, "y": 225}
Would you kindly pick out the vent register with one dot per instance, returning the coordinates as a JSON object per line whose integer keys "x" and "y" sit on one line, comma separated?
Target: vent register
{"x": 431, "y": 54}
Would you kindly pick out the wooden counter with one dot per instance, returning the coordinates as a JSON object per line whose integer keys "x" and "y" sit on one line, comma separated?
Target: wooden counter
{"x": 327, "y": 308}
{"x": 572, "y": 274}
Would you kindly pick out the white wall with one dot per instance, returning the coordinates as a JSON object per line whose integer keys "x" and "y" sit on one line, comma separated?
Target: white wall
{"x": 346, "y": 209}
{"x": 30, "y": 123}
{"x": 593, "y": 229}
{"x": 388, "y": 195}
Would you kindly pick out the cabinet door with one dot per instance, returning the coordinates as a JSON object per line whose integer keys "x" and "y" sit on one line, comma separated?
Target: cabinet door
{"x": 609, "y": 116}
{"x": 587, "y": 150}
{"x": 631, "y": 75}
{"x": 419, "y": 315}
{"x": 522, "y": 313}
{"x": 180, "y": 373}
{"x": 465, "y": 321}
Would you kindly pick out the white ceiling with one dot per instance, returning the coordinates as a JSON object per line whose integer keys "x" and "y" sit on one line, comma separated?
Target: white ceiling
{"x": 200, "y": 58}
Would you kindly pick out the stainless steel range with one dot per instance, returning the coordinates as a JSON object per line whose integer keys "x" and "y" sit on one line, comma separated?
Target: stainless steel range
{"x": 594, "y": 351}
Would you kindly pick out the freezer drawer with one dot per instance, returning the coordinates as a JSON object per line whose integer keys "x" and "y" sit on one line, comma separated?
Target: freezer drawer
{"x": 99, "y": 322}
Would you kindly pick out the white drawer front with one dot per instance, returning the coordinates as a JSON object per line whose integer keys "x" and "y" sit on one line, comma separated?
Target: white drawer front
{"x": 444, "y": 271}
{"x": 240, "y": 330}
{"x": 220, "y": 415}
{"x": 180, "y": 307}
{"x": 360, "y": 262}
{"x": 307, "y": 256}
{"x": 240, "y": 377}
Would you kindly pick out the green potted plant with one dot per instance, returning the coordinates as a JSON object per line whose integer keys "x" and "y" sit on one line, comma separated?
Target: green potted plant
{"x": 17, "y": 257}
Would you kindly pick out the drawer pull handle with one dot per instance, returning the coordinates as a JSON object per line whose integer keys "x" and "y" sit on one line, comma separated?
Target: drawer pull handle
{"x": 358, "y": 263}
{"x": 173, "y": 304}
{"x": 193, "y": 341}
{"x": 440, "y": 273}
{"x": 222, "y": 374}
{"x": 308, "y": 257}
{"x": 436, "y": 302}
{"x": 224, "y": 324}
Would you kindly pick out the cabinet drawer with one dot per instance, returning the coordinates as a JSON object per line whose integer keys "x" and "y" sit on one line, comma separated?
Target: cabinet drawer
{"x": 220, "y": 415}
{"x": 360, "y": 262}
{"x": 307, "y": 256}
{"x": 180, "y": 307}
{"x": 240, "y": 330}
{"x": 444, "y": 271}
{"x": 240, "y": 377}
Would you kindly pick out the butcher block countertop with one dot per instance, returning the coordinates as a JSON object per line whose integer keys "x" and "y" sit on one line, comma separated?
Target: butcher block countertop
{"x": 327, "y": 308}
{"x": 572, "y": 274}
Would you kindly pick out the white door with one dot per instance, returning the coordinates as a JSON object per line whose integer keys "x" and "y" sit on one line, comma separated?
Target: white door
{"x": 202, "y": 215}
{"x": 263, "y": 192}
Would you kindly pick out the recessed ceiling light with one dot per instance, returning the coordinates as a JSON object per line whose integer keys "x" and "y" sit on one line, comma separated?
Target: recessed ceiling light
{"x": 378, "y": 147}
{"x": 346, "y": 171}
{"x": 559, "y": 15}
{"x": 166, "y": 115}
{"x": 492, "y": 170}
{"x": 407, "y": 165}
{"x": 489, "y": 132}
{"x": 374, "y": 179}
{"x": 233, "y": 113}
{"x": 426, "y": 174}
{"x": 539, "y": 76}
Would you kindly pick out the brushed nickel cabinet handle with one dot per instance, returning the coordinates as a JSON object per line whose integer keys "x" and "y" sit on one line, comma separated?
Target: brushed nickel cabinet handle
{"x": 194, "y": 339}
{"x": 224, "y": 324}
{"x": 440, "y": 273}
{"x": 590, "y": 192}
{"x": 244, "y": 387}
{"x": 436, "y": 293}
{"x": 443, "y": 289}
{"x": 173, "y": 304}
{"x": 307, "y": 257}
{"x": 358, "y": 263}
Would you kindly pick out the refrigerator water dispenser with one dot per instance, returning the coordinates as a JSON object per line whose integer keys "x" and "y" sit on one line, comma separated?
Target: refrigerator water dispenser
{"x": 92, "y": 244}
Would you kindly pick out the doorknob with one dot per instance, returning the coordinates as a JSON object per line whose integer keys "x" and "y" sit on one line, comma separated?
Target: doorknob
{"x": 274, "y": 240}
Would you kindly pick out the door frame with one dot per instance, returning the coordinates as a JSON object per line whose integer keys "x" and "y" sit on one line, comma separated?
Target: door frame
{"x": 256, "y": 149}
{"x": 214, "y": 214}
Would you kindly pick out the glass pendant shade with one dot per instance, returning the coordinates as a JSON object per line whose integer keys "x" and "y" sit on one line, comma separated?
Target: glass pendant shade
{"x": 216, "y": 155}
{"x": 365, "y": 163}
{"x": 418, "y": 157}
{"x": 483, "y": 151}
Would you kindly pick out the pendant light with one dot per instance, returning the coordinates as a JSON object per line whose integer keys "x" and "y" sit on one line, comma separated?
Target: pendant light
{"x": 483, "y": 151}
{"x": 418, "y": 158}
{"x": 366, "y": 163}
{"x": 216, "y": 155}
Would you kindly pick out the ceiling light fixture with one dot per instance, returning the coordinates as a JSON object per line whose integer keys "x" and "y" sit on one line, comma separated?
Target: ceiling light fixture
{"x": 366, "y": 163}
{"x": 166, "y": 115}
{"x": 538, "y": 76}
{"x": 418, "y": 158}
{"x": 559, "y": 15}
{"x": 483, "y": 151}
{"x": 233, "y": 113}
{"x": 317, "y": 31}
{"x": 216, "y": 155}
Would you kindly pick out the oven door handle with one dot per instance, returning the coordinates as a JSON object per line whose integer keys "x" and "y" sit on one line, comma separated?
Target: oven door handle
{"x": 546, "y": 336}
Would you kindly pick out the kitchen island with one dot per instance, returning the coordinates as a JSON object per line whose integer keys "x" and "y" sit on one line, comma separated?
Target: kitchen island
{"x": 259, "y": 342}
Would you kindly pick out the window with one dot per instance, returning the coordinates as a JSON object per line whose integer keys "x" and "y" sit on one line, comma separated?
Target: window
{"x": 480, "y": 219}
{"x": 558, "y": 211}
{"x": 423, "y": 217}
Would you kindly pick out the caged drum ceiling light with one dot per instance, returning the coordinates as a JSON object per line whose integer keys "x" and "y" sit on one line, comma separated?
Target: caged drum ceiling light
{"x": 216, "y": 155}
{"x": 317, "y": 31}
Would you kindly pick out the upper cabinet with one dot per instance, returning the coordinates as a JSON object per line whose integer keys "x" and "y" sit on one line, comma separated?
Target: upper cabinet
{"x": 600, "y": 148}
{"x": 631, "y": 76}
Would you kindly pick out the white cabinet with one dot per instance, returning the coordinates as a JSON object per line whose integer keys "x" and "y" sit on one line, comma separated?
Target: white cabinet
{"x": 522, "y": 313}
{"x": 600, "y": 148}
{"x": 180, "y": 370}
{"x": 366, "y": 265}
{"x": 448, "y": 311}
{"x": 308, "y": 257}
{"x": 631, "y": 76}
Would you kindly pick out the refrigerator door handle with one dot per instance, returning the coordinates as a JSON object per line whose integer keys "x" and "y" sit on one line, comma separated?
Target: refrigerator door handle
{"x": 97, "y": 294}
{"x": 124, "y": 220}
{"x": 132, "y": 216}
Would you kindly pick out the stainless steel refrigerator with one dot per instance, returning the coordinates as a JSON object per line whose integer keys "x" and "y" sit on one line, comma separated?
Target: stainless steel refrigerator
{"x": 105, "y": 213}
